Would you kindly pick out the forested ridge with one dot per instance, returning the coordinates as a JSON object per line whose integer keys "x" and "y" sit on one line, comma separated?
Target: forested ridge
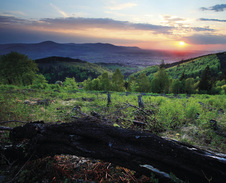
{"x": 58, "y": 68}
{"x": 192, "y": 67}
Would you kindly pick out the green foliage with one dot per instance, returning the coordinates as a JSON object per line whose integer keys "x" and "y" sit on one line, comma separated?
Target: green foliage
{"x": 125, "y": 69}
{"x": 58, "y": 68}
{"x": 189, "y": 85}
{"x": 70, "y": 84}
{"x": 192, "y": 109}
{"x": 171, "y": 113}
{"x": 39, "y": 82}
{"x": 148, "y": 71}
{"x": 172, "y": 117}
{"x": 160, "y": 82}
{"x": 95, "y": 84}
{"x": 143, "y": 83}
{"x": 176, "y": 86}
{"x": 224, "y": 88}
{"x": 132, "y": 84}
{"x": 105, "y": 82}
{"x": 184, "y": 118}
{"x": 191, "y": 68}
{"x": 118, "y": 81}
{"x": 205, "y": 82}
{"x": 17, "y": 69}
{"x": 195, "y": 67}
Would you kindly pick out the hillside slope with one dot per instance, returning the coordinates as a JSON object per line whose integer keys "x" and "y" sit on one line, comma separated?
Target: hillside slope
{"x": 192, "y": 67}
{"x": 58, "y": 68}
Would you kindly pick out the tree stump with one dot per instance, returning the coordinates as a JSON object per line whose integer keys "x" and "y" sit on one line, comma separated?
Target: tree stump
{"x": 108, "y": 99}
{"x": 140, "y": 101}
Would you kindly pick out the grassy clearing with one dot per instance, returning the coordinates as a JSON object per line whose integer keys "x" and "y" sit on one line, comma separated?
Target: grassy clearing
{"x": 186, "y": 119}
{"x": 182, "y": 118}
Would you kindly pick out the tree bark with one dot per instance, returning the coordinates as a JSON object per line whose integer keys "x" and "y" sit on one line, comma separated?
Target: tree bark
{"x": 136, "y": 150}
{"x": 140, "y": 101}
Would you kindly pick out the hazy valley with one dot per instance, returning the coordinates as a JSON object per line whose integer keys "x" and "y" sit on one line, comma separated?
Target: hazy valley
{"x": 99, "y": 53}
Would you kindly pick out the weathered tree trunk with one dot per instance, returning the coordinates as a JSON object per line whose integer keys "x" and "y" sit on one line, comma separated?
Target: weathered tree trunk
{"x": 109, "y": 99}
{"x": 139, "y": 151}
{"x": 140, "y": 101}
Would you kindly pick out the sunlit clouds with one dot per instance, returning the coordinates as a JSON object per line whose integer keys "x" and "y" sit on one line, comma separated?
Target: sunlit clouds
{"x": 58, "y": 10}
{"x": 147, "y": 24}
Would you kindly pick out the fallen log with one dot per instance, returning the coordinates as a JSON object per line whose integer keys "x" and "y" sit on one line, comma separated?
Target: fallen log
{"x": 136, "y": 150}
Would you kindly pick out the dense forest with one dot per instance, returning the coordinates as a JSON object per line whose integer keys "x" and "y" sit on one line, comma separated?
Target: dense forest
{"x": 58, "y": 68}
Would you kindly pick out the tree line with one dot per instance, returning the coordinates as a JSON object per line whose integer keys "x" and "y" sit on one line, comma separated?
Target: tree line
{"x": 18, "y": 69}
{"x": 161, "y": 83}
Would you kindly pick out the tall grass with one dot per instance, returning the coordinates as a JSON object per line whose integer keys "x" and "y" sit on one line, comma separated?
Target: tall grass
{"x": 161, "y": 113}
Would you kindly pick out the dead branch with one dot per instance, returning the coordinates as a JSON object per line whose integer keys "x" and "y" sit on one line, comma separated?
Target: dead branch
{"x": 139, "y": 151}
{"x": 140, "y": 109}
{"x": 5, "y": 128}
{"x": 13, "y": 121}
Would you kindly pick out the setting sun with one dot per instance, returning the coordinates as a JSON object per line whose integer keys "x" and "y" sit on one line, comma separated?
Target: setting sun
{"x": 181, "y": 43}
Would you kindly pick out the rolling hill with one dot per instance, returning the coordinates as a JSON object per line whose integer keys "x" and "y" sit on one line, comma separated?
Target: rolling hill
{"x": 58, "y": 68}
{"x": 50, "y": 48}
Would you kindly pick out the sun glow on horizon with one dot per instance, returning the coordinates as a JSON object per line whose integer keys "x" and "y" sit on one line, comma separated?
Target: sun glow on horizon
{"x": 182, "y": 43}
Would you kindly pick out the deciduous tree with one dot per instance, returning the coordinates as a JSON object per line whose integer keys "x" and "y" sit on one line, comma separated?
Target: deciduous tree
{"x": 17, "y": 69}
{"x": 143, "y": 82}
{"x": 132, "y": 84}
{"x": 39, "y": 82}
{"x": 189, "y": 85}
{"x": 160, "y": 82}
{"x": 70, "y": 84}
{"x": 118, "y": 81}
{"x": 105, "y": 82}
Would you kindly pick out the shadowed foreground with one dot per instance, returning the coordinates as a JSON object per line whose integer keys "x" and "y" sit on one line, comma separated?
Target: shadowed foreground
{"x": 139, "y": 151}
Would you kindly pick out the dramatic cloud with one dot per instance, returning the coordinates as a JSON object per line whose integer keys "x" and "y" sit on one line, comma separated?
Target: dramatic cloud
{"x": 80, "y": 25}
{"x": 85, "y": 23}
{"x": 103, "y": 23}
{"x": 214, "y": 20}
{"x": 72, "y": 29}
{"x": 8, "y": 35}
{"x": 217, "y": 8}
{"x": 207, "y": 39}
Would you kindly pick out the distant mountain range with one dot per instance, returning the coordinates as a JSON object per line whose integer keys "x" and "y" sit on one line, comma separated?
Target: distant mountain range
{"x": 97, "y": 53}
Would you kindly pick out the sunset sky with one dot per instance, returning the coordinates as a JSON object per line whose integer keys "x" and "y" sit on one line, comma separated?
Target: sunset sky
{"x": 148, "y": 24}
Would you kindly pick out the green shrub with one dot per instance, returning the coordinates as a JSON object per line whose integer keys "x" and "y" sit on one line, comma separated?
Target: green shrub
{"x": 70, "y": 84}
